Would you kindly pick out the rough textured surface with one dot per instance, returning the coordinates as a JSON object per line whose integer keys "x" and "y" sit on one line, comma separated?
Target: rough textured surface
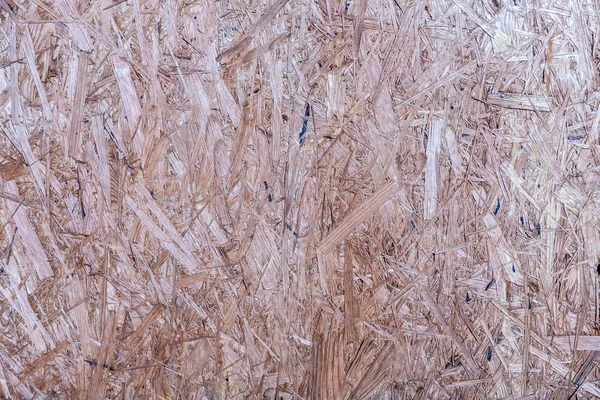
{"x": 311, "y": 199}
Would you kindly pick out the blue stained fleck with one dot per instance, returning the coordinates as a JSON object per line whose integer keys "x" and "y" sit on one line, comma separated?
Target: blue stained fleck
{"x": 539, "y": 229}
{"x": 514, "y": 269}
{"x": 304, "y": 125}
{"x": 468, "y": 298}
{"x": 497, "y": 207}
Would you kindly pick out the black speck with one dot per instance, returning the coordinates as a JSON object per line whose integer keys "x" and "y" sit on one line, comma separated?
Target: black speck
{"x": 452, "y": 107}
{"x": 539, "y": 229}
{"x": 539, "y": 186}
{"x": 598, "y": 269}
{"x": 468, "y": 298}
{"x": 489, "y": 285}
{"x": 413, "y": 224}
{"x": 195, "y": 17}
{"x": 522, "y": 222}
{"x": 514, "y": 269}
{"x": 289, "y": 228}
{"x": 454, "y": 361}
{"x": 295, "y": 234}
{"x": 489, "y": 353}
{"x": 529, "y": 304}
{"x": 266, "y": 185}
{"x": 270, "y": 198}
{"x": 95, "y": 364}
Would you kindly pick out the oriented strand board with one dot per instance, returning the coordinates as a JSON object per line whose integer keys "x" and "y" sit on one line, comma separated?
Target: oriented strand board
{"x": 311, "y": 199}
